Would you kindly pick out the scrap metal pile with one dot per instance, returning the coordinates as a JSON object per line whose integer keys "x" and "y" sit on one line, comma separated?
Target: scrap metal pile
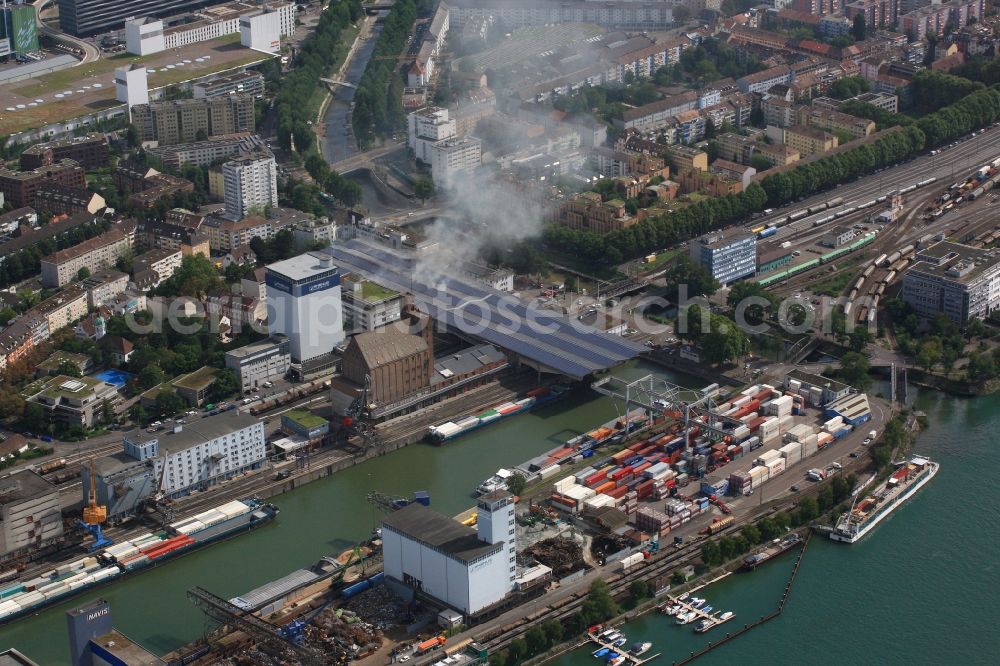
{"x": 378, "y": 606}
{"x": 563, "y": 555}
{"x": 605, "y": 545}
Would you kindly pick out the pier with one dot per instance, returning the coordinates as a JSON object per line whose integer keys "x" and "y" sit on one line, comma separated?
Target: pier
{"x": 712, "y": 620}
{"x": 623, "y": 650}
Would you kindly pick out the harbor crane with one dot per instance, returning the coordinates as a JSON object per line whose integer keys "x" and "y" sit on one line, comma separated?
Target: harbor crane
{"x": 355, "y": 420}
{"x": 267, "y": 635}
{"x": 94, "y": 514}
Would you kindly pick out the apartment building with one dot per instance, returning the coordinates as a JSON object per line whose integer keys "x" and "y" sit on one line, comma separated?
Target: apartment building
{"x": 587, "y": 212}
{"x": 686, "y": 158}
{"x": 728, "y": 259}
{"x": 145, "y": 35}
{"x": 63, "y": 308}
{"x": 225, "y": 235}
{"x": 836, "y": 122}
{"x": 614, "y": 163}
{"x": 760, "y": 82}
{"x": 809, "y": 140}
{"x": 104, "y": 286}
{"x": 89, "y": 151}
{"x": 160, "y": 261}
{"x": 957, "y": 280}
{"x": 62, "y": 267}
{"x": 30, "y": 517}
{"x": 877, "y": 13}
{"x": 652, "y": 116}
{"x": 20, "y": 187}
{"x": 778, "y": 111}
{"x": 260, "y": 362}
{"x": 206, "y": 153}
{"x": 250, "y": 184}
{"x": 451, "y": 159}
{"x": 54, "y": 199}
{"x": 74, "y": 401}
{"x": 640, "y": 15}
{"x": 933, "y": 19}
{"x": 426, "y": 127}
{"x": 180, "y": 121}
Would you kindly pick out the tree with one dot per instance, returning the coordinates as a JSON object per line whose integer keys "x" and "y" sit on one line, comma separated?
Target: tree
{"x": 677, "y": 578}
{"x": 860, "y": 338}
{"x": 132, "y": 136}
{"x": 570, "y": 283}
{"x": 68, "y": 368}
{"x": 169, "y": 403}
{"x": 553, "y": 630}
{"x": 860, "y": 28}
{"x": 516, "y": 483}
{"x": 638, "y": 590}
{"x": 34, "y": 418}
{"x": 517, "y": 650}
{"x": 929, "y": 354}
{"x": 150, "y": 376}
{"x": 854, "y": 370}
{"x": 7, "y": 315}
{"x": 599, "y": 605}
{"x": 83, "y": 274}
{"x": 138, "y": 414}
{"x": 711, "y": 553}
{"x": 536, "y": 640}
{"x": 11, "y": 404}
{"x": 423, "y": 187}
{"x": 751, "y": 533}
{"x": 225, "y": 385}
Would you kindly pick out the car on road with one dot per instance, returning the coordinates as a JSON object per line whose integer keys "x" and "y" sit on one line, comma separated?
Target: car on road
{"x": 156, "y": 424}
{"x": 403, "y": 657}
{"x": 836, "y": 465}
{"x": 868, "y": 440}
{"x": 794, "y": 489}
{"x": 855, "y": 454}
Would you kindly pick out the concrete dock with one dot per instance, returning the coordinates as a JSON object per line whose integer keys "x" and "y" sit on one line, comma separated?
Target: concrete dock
{"x": 712, "y": 620}
{"x": 631, "y": 659}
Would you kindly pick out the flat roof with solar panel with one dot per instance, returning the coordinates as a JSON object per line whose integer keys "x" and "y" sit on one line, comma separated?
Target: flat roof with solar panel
{"x": 543, "y": 337}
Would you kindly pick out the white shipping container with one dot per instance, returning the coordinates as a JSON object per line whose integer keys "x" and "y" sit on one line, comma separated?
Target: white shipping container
{"x": 740, "y": 432}
{"x": 794, "y": 385}
{"x": 775, "y": 467}
{"x": 768, "y": 456}
{"x": 810, "y": 446}
{"x": 562, "y": 484}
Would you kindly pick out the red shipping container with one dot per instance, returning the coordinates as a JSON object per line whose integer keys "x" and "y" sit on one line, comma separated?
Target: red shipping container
{"x": 596, "y": 478}
{"x": 618, "y": 492}
{"x": 605, "y": 487}
{"x": 620, "y": 473}
{"x": 670, "y": 483}
{"x": 625, "y": 480}
{"x": 565, "y": 501}
{"x": 622, "y": 455}
{"x": 639, "y": 469}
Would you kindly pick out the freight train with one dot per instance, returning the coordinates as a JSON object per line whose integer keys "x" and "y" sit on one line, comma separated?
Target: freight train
{"x": 833, "y": 255}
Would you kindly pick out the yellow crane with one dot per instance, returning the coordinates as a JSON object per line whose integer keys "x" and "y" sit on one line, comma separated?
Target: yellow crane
{"x": 94, "y": 514}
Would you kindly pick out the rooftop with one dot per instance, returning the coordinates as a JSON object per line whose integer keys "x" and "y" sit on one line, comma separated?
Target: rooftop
{"x": 70, "y": 253}
{"x": 818, "y": 380}
{"x": 62, "y": 143}
{"x": 197, "y": 380}
{"x": 53, "y": 361}
{"x": 118, "y": 645}
{"x": 62, "y": 386}
{"x": 372, "y": 291}
{"x": 438, "y": 532}
{"x": 954, "y": 262}
{"x": 196, "y": 432}
{"x": 23, "y": 484}
{"x": 466, "y": 361}
{"x": 304, "y": 266}
{"x": 255, "y": 348}
{"x": 378, "y": 348}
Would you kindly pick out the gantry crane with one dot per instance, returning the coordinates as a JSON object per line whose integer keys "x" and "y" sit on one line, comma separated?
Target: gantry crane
{"x": 94, "y": 514}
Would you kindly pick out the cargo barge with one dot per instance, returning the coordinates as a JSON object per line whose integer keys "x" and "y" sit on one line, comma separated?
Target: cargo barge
{"x": 779, "y": 547}
{"x": 902, "y": 485}
{"x": 533, "y": 398}
{"x": 138, "y": 553}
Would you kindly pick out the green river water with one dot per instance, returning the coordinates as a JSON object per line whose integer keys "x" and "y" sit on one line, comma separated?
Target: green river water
{"x": 920, "y": 589}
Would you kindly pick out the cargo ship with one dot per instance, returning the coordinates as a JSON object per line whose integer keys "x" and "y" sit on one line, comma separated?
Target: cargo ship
{"x": 140, "y": 552}
{"x": 533, "y": 398}
{"x": 901, "y": 486}
{"x": 779, "y": 546}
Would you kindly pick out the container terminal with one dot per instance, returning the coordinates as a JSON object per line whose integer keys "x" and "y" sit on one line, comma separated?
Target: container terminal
{"x": 680, "y": 465}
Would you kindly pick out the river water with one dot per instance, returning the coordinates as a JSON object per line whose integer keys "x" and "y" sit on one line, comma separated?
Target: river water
{"x": 322, "y": 518}
{"x": 920, "y": 589}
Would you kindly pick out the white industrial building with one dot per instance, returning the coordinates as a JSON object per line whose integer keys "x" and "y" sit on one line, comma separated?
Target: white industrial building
{"x": 304, "y": 304}
{"x": 131, "y": 86}
{"x": 260, "y": 362}
{"x": 30, "y": 512}
{"x": 425, "y": 127}
{"x": 466, "y": 569}
{"x": 196, "y": 455}
{"x": 261, "y": 32}
{"x": 250, "y": 183}
{"x": 144, "y": 36}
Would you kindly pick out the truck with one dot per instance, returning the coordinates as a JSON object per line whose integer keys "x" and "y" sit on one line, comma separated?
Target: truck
{"x": 431, "y": 644}
{"x": 873, "y": 434}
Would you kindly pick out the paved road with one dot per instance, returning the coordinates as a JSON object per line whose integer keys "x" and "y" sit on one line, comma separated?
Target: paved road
{"x": 90, "y": 52}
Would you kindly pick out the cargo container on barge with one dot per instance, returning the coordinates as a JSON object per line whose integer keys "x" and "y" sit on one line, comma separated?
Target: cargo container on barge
{"x": 24, "y": 597}
{"x": 539, "y": 396}
{"x": 901, "y": 486}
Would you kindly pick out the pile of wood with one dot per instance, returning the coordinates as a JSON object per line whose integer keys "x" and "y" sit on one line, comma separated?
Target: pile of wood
{"x": 563, "y": 555}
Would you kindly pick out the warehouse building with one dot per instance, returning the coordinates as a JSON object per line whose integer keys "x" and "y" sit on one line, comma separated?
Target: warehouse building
{"x": 30, "y": 512}
{"x": 398, "y": 363}
{"x": 466, "y": 569}
{"x": 260, "y": 362}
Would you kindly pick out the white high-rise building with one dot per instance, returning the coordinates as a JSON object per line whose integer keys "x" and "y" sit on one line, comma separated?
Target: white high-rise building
{"x": 425, "y": 127}
{"x": 131, "y": 86}
{"x": 304, "y": 304}
{"x": 452, "y": 158}
{"x": 250, "y": 183}
{"x": 261, "y": 32}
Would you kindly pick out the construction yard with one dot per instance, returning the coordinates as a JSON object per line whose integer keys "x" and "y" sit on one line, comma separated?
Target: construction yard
{"x": 88, "y": 88}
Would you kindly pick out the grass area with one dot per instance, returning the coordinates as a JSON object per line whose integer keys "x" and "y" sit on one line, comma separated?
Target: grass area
{"x": 375, "y": 292}
{"x": 574, "y": 263}
{"x": 835, "y": 285}
{"x": 172, "y": 76}
{"x": 197, "y": 380}
{"x": 305, "y": 419}
{"x": 663, "y": 258}
{"x": 50, "y": 112}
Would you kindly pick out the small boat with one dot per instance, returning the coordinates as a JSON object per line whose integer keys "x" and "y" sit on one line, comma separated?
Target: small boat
{"x": 700, "y": 626}
{"x": 617, "y": 661}
{"x": 620, "y": 642}
{"x": 607, "y": 632}
{"x": 613, "y": 655}
{"x": 640, "y": 648}
{"x": 706, "y": 609}
{"x": 685, "y": 617}
{"x": 683, "y": 596}
{"x": 696, "y": 603}
{"x": 672, "y": 610}
{"x": 612, "y": 637}
{"x": 725, "y": 616}
{"x": 601, "y": 652}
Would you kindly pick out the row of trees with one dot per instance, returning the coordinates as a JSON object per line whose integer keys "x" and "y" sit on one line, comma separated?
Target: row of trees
{"x": 657, "y": 232}
{"x": 721, "y": 340}
{"x": 320, "y": 50}
{"x": 378, "y": 103}
{"x": 977, "y": 109}
{"x": 933, "y": 90}
{"x": 344, "y": 190}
